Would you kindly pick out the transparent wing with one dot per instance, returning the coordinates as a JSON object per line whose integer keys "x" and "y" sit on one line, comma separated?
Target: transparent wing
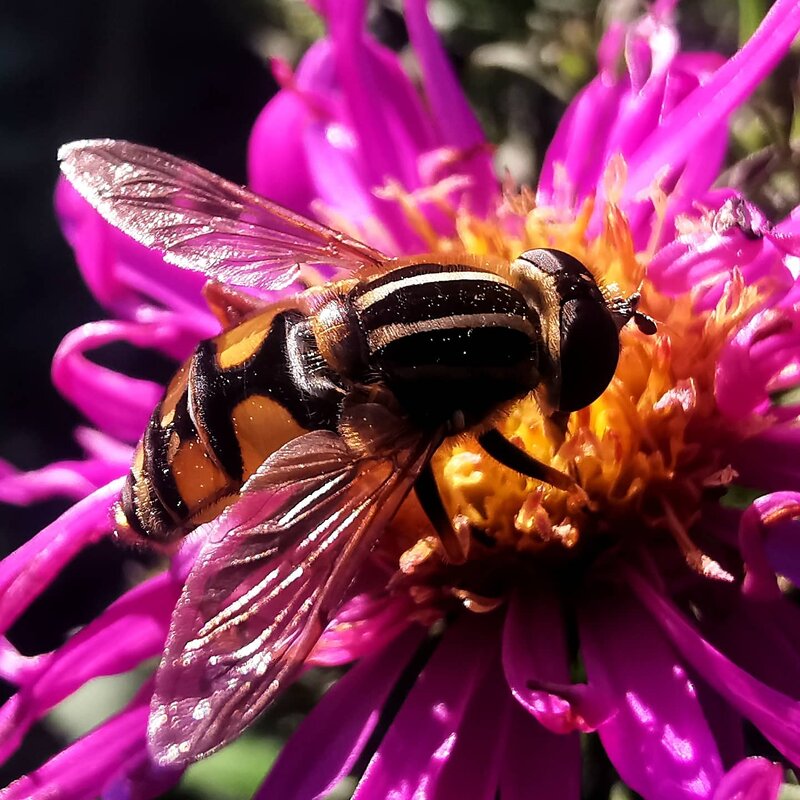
{"x": 200, "y": 221}
{"x": 271, "y": 576}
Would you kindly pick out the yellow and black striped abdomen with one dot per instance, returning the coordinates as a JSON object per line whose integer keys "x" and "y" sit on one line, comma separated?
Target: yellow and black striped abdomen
{"x": 240, "y": 397}
{"x": 450, "y": 341}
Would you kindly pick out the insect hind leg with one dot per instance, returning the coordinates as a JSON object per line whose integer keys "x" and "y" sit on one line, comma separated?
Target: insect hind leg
{"x": 511, "y": 456}
{"x": 455, "y": 540}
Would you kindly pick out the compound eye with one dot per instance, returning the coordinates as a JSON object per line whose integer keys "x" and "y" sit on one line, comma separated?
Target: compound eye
{"x": 589, "y": 352}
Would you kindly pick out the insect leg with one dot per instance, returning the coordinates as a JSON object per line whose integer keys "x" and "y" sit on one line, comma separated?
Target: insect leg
{"x": 230, "y": 305}
{"x": 454, "y": 542}
{"x": 511, "y": 456}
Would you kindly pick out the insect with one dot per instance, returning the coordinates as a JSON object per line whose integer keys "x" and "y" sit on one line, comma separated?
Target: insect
{"x": 303, "y": 426}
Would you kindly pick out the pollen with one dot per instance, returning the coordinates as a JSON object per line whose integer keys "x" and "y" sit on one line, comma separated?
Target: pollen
{"x": 643, "y": 456}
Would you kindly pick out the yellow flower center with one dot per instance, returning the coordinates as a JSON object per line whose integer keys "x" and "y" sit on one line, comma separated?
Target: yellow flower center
{"x": 645, "y": 450}
{"x": 644, "y": 454}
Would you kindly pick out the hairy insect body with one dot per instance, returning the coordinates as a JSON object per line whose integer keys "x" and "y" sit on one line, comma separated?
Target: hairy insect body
{"x": 448, "y": 338}
{"x": 440, "y": 338}
{"x": 315, "y": 417}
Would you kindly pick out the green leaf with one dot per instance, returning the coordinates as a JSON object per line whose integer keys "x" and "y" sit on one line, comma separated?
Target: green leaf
{"x": 620, "y": 792}
{"x": 740, "y": 497}
{"x": 790, "y": 397}
{"x": 751, "y": 12}
{"x": 235, "y": 772}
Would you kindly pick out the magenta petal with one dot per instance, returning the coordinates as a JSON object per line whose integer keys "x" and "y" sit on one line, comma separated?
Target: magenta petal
{"x": 410, "y": 759}
{"x": 539, "y": 764}
{"x": 346, "y": 196}
{"x": 658, "y": 740}
{"x": 14, "y": 667}
{"x": 98, "y": 445}
{"x": 276, "y": 156}
{"x": 382, "y": 148}
{"x": 363, "y": 626}
{"x": 117, "y": 404}
{"x": 131, "y": 630}
{"x": 726, "y": 723}
{"x": 472, "y": 771}
{"x": 615, "y": 116}
{"x": 29, "y": 569}
{"x": 381, "y": 154}
{"x": 339, "y": 727}
{"x": 140, "y": 779}
{"x": 699, "y": 173}
{"x": 458, "y": 126}
{"x": 410, "y": 116}
{"x": 751, "y": 779}
{"x": 771, "y": 459}
{"x": 82, "y": 770}
{"x": 384, "y": 111}
{"x": 775, "y": 714}
{"x": 535, "y": 654}
{"x": 697, "y": 116}
{"x": 751, "y": 361}
{"x": 783, "y": 550}
{"x": 107, "y": 459}
{"x": 451, "y": 110}
{"x": 768, "y": 536}
{"x": 338, "y": 182}
{"x": 650, "y": 48}
{"x": 580, "y": 144}
{"x": 761, "y": 636}
{"x": 358, "y": 123}
{"x": 123, "y": 274}
{"x": 701, "y": 261}
{"x": 70, "y": 479}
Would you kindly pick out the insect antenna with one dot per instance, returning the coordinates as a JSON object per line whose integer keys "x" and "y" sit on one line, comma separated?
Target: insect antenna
{"x": 625, "y": 309}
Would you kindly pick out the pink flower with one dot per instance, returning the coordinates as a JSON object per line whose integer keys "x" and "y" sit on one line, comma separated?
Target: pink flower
{"x": 668, "y": 601}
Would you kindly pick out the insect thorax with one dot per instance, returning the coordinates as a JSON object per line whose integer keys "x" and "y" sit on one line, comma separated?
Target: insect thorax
{"x": 447, "y": 338}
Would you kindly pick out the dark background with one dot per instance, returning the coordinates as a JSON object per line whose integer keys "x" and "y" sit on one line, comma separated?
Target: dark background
{"x": 178, "y": 75}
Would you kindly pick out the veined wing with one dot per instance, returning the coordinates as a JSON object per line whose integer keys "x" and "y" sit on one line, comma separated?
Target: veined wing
{"x": 200, "y": 221}
{"x": 272, "y": 575}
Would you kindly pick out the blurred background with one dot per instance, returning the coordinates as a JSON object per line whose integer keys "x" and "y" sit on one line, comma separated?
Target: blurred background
{"x": 190, "y": 76}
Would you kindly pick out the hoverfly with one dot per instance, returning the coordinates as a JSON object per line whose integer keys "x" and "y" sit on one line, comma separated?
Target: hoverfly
{"x": 302, "y": 427}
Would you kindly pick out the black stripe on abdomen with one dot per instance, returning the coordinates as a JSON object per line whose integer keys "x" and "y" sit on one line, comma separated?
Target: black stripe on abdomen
{"x": 213, "y": 394}
{"x": 423, "y": 293}
{"x": 472, "y": 353}
{"x": 286, "y": 368}
{"x": 270, "y": 372}
{"x": 157, "y": 461}
{"x": 472, "y": 370}
{"x": 151, "y": 500}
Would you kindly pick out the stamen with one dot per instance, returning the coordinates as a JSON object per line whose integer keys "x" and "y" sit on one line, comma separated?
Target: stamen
{"x": 517, "y": 200}
{"x": 422, "y": 551}
{"x": 651, "y": 441}
{"x": 698, "y": 560}
{"x": 478, "y": 603}
{"x": 614, "y": 179}
{"x": 419, "y": 222}
{"x": 658, "y": 197}
{"x": 533, "y": 519}
{"x": 455, "y": 540}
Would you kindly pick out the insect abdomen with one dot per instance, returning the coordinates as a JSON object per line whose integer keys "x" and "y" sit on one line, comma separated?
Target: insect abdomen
{"x": 232, "y": 404}
{"x": 448, "y": 336}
